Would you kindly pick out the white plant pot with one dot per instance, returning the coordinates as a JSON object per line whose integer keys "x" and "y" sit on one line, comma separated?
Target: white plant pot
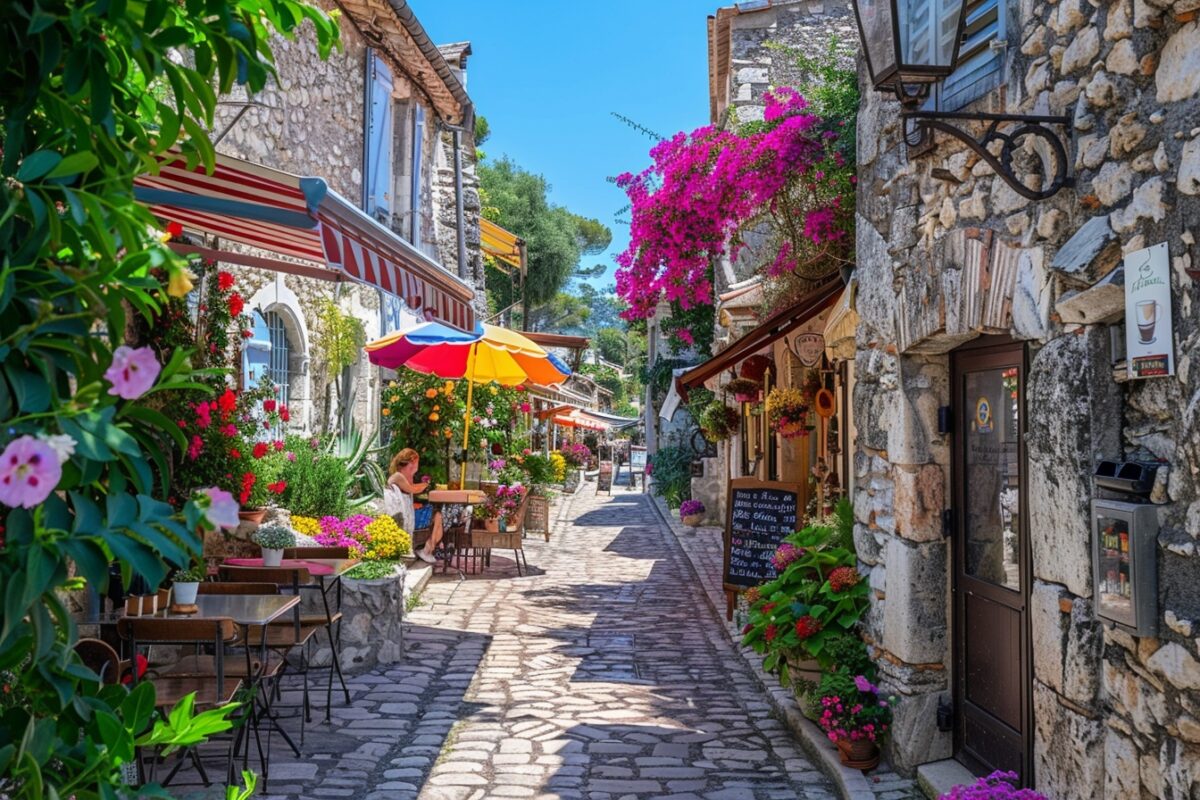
{"x": 185, "y": 593}
{"x": 272, "y": 557}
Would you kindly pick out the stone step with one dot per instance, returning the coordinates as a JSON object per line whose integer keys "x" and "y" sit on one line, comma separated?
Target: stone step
{"x": 939, "y": 777}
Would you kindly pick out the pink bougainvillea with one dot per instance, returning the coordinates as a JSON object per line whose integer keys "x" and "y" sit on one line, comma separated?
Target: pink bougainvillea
{"x": 706, "y": 187}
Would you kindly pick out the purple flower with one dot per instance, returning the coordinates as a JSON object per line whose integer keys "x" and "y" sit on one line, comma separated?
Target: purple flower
{"x": 132, "y": 372}
{"x": 863, "y": 684}
{"x": 220, "y": 509}
{"x": 29, "y": 471}
{"x": 291, "y": 456}
{"x": 786, "y": 554}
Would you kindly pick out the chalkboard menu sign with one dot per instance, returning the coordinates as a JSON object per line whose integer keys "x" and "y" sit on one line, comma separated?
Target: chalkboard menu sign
{"x": 761, "y": 513}
{"x": 605, "y": 478}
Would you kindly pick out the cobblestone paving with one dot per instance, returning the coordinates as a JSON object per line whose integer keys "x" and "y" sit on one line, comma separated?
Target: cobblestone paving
{"x": 603, "y": 674}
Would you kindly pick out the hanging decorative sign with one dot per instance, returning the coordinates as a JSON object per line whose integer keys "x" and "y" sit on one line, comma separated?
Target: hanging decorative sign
{"x": 808, "y": 347}
{"x": 1148, "y": 330}
{"x": 825, "y": 403}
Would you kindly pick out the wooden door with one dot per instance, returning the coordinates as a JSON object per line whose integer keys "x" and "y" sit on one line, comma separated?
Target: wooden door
{"x": 993, "y": 727}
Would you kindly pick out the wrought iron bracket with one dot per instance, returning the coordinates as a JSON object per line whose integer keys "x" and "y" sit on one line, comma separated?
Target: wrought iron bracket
{"x": 919, "y": 127}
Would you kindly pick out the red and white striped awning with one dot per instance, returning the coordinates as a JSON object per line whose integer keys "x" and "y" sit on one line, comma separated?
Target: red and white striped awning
{"x": 301, "y": 218}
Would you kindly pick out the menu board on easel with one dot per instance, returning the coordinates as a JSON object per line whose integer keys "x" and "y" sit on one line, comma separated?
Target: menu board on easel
{"x": 760, "y": 514}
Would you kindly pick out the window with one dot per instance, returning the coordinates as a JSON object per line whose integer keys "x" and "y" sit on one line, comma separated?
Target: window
{"x": 980, "y": 57}
{"x": 278, "y": 367}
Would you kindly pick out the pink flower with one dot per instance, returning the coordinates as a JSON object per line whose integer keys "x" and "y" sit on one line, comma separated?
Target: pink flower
{"x": 291, "y": 456}
{"x": 203, "y": 416}
{"x": 29, "y": 471}
{"x": 195, "y": 448}
{"x": 278, "y": 445}
{"x": 220, "y": 509}
{"x": 132, "y": 372}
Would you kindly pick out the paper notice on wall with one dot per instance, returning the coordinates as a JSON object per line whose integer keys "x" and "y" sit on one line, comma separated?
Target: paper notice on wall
{"x": 1149, "y": 335}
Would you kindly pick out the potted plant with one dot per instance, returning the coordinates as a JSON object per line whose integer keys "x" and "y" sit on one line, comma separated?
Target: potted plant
{"x": 185, "y": 584}
{"x": 691, "y": 512}
{"x": 999, "y": 785}
{"x": 488, "y": 512}
{"x": 273, "y": 539}
{"x": 744, "y": 390}
{"x": 856, "y": 719}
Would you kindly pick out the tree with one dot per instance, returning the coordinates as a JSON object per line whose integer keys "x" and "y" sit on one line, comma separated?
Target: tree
{"x": 612, "y": 344}
{"x": 564, "y": 312}
{"x": 92, "y": 94}
{"x": 555, "y": 238}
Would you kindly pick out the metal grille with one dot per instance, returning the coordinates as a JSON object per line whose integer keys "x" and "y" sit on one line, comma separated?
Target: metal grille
{"x": 281, "y": 352}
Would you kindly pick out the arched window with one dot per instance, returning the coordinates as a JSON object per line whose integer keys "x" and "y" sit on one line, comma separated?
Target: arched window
{"x": 279, "y": 364}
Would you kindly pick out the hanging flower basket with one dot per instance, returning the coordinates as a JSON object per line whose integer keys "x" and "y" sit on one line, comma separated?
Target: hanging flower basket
{"x": 744, "y": 390}
{"x": 788, "y": 410}
{"x": 718, "y": 421}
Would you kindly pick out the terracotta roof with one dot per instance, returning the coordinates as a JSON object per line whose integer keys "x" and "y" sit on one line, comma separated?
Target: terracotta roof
{"x": 391, "y": 27}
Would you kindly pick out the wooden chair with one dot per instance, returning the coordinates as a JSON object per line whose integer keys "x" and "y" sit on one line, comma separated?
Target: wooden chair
{"x": 212, "y": 691}
{"x": 284, "y": 636}
{"x": 480, "y": 542}
{"x": 100, "y": 657}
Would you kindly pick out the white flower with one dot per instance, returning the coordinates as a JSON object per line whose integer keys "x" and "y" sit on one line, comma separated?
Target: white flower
{"x": 62, "y": 445}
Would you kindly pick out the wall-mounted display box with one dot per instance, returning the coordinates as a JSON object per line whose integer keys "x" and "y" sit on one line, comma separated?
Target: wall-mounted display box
{"x": 1124, "y": 543}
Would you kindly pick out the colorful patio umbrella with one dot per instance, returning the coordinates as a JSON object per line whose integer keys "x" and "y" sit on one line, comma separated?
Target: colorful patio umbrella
{"x": 489, "y": 355}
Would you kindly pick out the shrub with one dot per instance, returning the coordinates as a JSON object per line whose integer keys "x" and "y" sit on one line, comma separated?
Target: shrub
{"x": 317, "y": 483}
{"x": 673, "y": 474}
{"x": 558, "y": 465}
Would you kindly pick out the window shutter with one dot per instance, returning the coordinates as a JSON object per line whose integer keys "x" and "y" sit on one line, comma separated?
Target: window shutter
{"x": 418, "y": 139}
{"x": 979, "y": 65}
{"x": 378, "y": 169}
{"x": 256, "y": 357}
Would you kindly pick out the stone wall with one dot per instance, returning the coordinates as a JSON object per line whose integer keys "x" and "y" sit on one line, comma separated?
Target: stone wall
{"x": 945, "y": 258}
{"x": 310, "y": 122}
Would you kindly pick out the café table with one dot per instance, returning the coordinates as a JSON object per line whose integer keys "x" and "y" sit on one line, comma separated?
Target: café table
{"x": 446, "y": 497}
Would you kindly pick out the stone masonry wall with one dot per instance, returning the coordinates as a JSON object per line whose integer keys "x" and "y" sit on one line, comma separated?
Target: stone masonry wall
{"x": 312, "y": 124}
{"x": 943, "y": 260}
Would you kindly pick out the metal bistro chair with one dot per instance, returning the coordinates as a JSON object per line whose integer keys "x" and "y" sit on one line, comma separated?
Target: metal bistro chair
{"x": 480, "y": 543}
{"x": 283, "y": 636}
{"x": 266, "y": 671}
{"x": 212, "y": 691}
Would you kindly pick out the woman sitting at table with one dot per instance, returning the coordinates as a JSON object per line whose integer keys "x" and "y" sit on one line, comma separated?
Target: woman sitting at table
{"x": 402, "y": 486}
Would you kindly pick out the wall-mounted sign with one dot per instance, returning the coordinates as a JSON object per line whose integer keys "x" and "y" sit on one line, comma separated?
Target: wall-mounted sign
{"x": 1149, "y": 335}
{"x": 983, "y": 415}
{"x": 808, "y": 347}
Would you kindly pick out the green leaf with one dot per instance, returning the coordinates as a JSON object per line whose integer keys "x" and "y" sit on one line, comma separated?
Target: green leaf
{"x": 31, "y": 390}
{"x": 138, "y": 707}
{"x": 115, "y": 736}
{"x": 137, "y": 556}
{"x": 122, "y": 510}
{"x": 89, "y": 560}
{"x": 74, "y": 164}
{"x": 35, "y": 165}
{"x": 86, "y": 443}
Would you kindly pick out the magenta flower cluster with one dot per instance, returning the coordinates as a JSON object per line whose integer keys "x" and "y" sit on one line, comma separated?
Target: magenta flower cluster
{"x": 348, "y": 532}
{"x": 704, "y": 186}
{"x": 786, "y": 554}
{"x": 997, "y": 786}
{"x": 689, "y": 507}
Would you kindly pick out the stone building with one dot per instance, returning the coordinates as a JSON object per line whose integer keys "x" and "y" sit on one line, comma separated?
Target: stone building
{"x": 387, "y": 124}
{"x": 987, "y": 316}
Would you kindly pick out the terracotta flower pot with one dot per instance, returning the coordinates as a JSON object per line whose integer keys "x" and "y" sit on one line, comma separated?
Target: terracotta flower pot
{"x": 492, "y": 525}
{"x": 743, "y": 397}
{"x": 254, "y": 515}
{"x": 858, "y": 753}
{"x": 692, "y": 519}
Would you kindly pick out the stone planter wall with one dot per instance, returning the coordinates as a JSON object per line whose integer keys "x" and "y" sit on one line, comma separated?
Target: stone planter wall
{"x": 372, "y": 634}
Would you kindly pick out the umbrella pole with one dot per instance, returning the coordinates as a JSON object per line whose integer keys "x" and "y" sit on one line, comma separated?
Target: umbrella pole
{"x": 462, "y": 468}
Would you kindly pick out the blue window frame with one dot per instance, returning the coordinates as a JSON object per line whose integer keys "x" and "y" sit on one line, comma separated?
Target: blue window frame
{"x": 980, "y": 57}
{"x": 281, "y": 352}
{"x": 418, "y": 138}
{"x": 377, "y": 191}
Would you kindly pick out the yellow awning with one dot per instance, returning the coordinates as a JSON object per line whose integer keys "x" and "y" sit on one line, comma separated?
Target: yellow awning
{"x": 842, "y": 324}
{"x": 500, "y": 244}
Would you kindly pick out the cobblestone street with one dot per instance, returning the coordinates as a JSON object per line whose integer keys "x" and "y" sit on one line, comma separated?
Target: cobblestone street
{"x": 602, "y": 674}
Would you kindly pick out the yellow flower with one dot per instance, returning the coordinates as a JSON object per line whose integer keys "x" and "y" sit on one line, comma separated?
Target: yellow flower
{"x": 385, "y": 411}
{"x": 388, "y": 540}
{"x": 431, "y": 393}
{"x": 436, "y": 407}
{"x": 394, "y": 398}
{"x": 448, "y": 388}
{"x": 180, "y": 282}
{"x": 492, "y": 389}
{"x": 434, "y": 417}
{"x": 392, "y": 384}
{"x": 309, "y": 526}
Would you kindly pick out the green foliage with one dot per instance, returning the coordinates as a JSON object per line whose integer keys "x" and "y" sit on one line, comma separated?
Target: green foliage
{"x": 274, "y": 537}
{"x": 194, "y": 574}
{"x": 341, "y": 336}
{"x": 718, "y": 421}
{"x": 672, "y": 473}
{"x": 538, "y": 468}
{"x": 803, "y": 591}
{"x": 689, "y": 329}
{"x": 607, "y": 377}
{"x": 830, "y": 85}
{"x": 92, "y": 94}
{"x": 318, "y": 483}
{"x": 555, "y": 238}
{"x": 373, "y": 570}
{"x": 563, "y": 312}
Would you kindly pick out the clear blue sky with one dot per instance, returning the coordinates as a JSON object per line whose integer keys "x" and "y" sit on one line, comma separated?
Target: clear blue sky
{"x": 547, "y": 74}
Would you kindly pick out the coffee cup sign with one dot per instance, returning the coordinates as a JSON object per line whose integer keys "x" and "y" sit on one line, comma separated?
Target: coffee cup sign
{"x": 1149, "y": 335}
{"x": 808, "y": 348}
